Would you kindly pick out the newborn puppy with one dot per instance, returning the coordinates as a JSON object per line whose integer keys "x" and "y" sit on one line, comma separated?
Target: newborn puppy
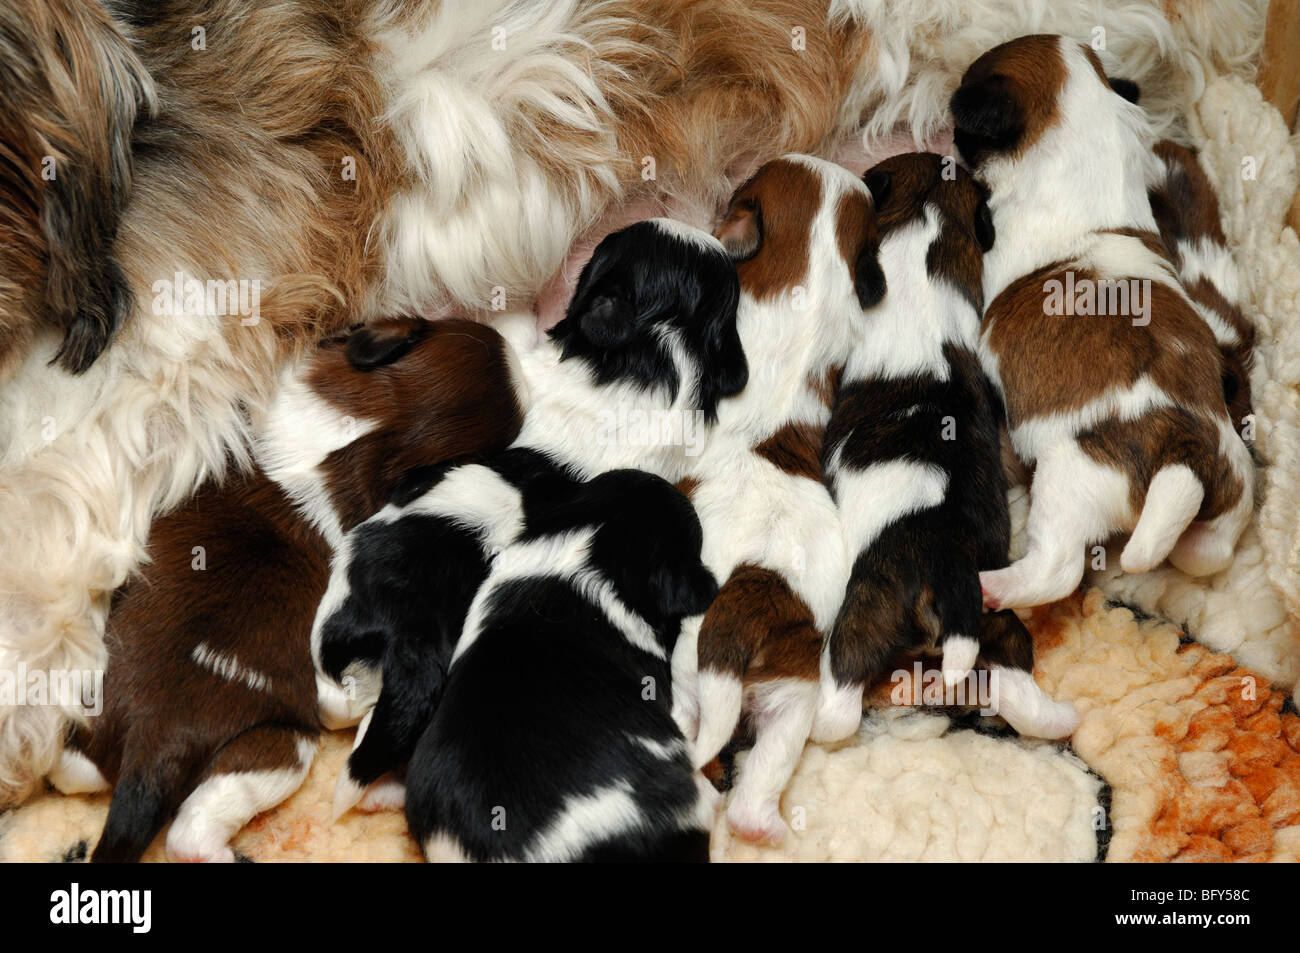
{"x": 554, "y": 739}
{"x": 631, "y": 377}
{"x": 804, "y": 235}
{"x": 1187, "y": 213}
{"x": 913, "y": 458}
{"x": 223, "y": 610}
{"x": 397, "y": 600}
{"x": 1112, "y": 382}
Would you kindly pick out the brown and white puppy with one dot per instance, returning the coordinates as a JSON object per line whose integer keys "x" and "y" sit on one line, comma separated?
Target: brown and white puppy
{"x": 1187, "y": 214}
{"x": 211, "y": 702}
{"x": 913, "y": 458}
{"x": 803, "y": 234}
{"x": 1112, "y": 381}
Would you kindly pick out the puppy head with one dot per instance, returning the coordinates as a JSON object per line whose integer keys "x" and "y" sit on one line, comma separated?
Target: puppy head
{"x": 370, "y": 406}
{"x": 770, "y": 230}
{"x": 905, "y": 186}
{"x": 653, "y": 293}
{"x": 648, "y": 543}
{"x": 1012, "y": 94}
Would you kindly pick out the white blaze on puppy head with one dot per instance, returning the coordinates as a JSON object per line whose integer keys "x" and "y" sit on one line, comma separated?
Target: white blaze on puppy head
{"x": 803, "y": 234}
{"x": 1123, "y": 420}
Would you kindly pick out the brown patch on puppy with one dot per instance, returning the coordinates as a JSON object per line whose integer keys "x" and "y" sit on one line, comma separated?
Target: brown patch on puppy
{"x": 857, "y": 238}
{"x": 1165, "y": 437}
{"x": 687, "y": 486}
{"x": 1184, "y": 204}
{"x": 1047, "y": 362}
{"x": 448, "y": 396}
{"x": 766, "y": 227}
{"x": 795, "y": 449}
{"x": 912, "y": 182}
{"x": 758, "y": 629}
{"x": 1009, "y": 97}
{"x": 171, "y": 721}
{"x": 826, "y": 386}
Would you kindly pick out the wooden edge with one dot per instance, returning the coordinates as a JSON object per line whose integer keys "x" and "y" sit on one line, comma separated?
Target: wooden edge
{"x": 1279, "y": 72}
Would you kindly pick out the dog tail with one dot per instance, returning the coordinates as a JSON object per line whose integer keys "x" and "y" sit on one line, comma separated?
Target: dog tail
{"x": 71, "y": 89}
{"x": 144, "y": 797}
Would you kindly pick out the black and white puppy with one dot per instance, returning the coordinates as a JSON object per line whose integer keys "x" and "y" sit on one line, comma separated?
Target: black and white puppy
{"x": 631, "y": 377}
{"x": 555, "y": 739}
{"x": 397, "y": 600}
{"x": 912, "y": 455}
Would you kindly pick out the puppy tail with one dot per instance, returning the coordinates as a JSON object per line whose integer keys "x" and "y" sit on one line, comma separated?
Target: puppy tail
{"x": 1173, "y": 499}
{"x": 73, "y": 91}
{"x": 143, "y": 800}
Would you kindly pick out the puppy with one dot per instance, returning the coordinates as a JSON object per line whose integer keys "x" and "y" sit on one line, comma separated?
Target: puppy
{"x": 633, "y": 375}
{"x": 224, "y": 610}
{"x": 913, "y": 458}
{"x": 650, "y": 338}
{"x": 1187, "y": 213}
{"x": 1115, "y": 395}
{"x": 803, "y": 234}
{"x": 398, "y": 597}
{"x": 554, "y": 740}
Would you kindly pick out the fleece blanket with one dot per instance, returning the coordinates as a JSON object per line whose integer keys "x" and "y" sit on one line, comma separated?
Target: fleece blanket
{"x": 1189, "y": 743}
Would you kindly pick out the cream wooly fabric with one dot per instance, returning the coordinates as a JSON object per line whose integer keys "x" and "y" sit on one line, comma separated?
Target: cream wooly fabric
{"x": 1185, "y": 751}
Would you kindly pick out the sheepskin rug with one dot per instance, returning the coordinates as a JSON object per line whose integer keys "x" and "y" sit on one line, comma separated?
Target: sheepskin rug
{"x": 1189, "y": 745}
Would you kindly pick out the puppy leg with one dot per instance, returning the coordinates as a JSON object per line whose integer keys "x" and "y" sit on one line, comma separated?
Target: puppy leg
{"x": 1007, "y": 648}
{"x": 783, "y": 712}
{"x": 1173, "y": 499}
{"x": 1074, "y": 501}
{"x": 76, "y": 774}
{"x": 251, "y": 774}
{"x": 386, "y": 794}
{"x": 685, "y": 674}
{"x": 1207, "y": 547}
{"x": 869, "y": 627}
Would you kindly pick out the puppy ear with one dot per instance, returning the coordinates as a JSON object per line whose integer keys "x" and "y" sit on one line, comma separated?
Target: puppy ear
{"x": 741, "y": 232}
{"x": 369, "y": 348}
{"x": 1126, "y": 88}
{"x": 683, "y": 592}
{"x": 606, "y": 316}
{"x": 879, "y": 183}
{"x": 985, "y": 111}
{"x": 868, "y": 276}
{"x": 724, "y": 370}
{"x": 984, "y": 232}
